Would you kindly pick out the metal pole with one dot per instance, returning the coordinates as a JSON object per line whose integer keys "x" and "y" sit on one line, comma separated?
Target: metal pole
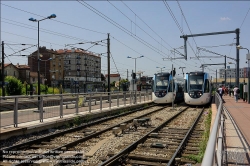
{"x": 108, "y": 65}
{"x": 135, "y": 82}
{"x": 45, "y": 74}
{"x": 225, "y": 70}
{"x": 216, "y": 78}
{"x": 237, "y": 55}
{"x": 248, "y": 81}
{"x": 38, "y": 68}
{"x": 185, "y": 47}
{"x": 173, "y": 86}
{"x": 230, "y": 82}
{"x": 132, "y": 82}
{"x": 16, "y": 112}
{"x": 127, "y": 74}
{"x": 3, "y": 89}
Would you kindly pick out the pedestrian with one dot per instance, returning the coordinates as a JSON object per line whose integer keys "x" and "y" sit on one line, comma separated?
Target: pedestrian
{"x": 226, "y": 91}
{"x": 236, "y": 93}
{"x": 220, "y": 91}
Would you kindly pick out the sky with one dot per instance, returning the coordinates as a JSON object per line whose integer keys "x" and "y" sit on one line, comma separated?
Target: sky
{"x": 151, "y": 29}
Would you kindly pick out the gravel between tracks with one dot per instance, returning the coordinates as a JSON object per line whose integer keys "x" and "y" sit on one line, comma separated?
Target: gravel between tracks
{"x": 116, "y": 144}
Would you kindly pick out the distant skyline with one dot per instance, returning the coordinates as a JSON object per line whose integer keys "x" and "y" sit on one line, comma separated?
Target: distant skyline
{"x": 148, "y": 28}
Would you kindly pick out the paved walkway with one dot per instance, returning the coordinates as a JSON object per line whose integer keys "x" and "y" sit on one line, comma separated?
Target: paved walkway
{"x": 237, "y": 148}
{"x": 240, "y": 112}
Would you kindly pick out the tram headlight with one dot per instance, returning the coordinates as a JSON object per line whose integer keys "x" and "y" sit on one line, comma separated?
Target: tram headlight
{"x": 191, "y": 94}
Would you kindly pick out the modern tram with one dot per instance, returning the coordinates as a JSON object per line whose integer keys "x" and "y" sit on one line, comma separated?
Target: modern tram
{"x": 197, "y": 88}
{"x": 162, "y": 90}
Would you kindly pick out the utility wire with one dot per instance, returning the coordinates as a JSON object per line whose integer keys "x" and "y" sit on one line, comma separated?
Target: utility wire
{"x": 42, "y": 30}
{"x": 119, "y": 26}
{"x": 54, "y": 20}
{"x": 245, "y": 18}
{"x": 145, "y": 24}
{"x": 136, "y": 24}
{"x": 114, "y": 62}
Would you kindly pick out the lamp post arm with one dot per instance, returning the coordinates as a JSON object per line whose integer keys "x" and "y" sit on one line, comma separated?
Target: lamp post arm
{"x": 247, "y": 50}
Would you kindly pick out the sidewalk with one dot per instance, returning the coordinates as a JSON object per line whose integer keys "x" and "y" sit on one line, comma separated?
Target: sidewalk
{"x": 240, "y": 112}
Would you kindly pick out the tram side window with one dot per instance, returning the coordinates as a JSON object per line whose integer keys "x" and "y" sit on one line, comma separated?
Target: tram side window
{"x": 206, "y": 86}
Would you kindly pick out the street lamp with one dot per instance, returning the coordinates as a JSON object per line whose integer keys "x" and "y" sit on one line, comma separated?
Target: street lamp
{"x": 135, "y": 73}
{"x": 248, "y": 82}
{"x": 38, "y": 62}
{"x": 160, "y": 68}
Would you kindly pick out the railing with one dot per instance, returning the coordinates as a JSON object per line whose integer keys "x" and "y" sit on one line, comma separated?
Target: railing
{"x": 19, "y": 109}
{"x": 213, "y": 154}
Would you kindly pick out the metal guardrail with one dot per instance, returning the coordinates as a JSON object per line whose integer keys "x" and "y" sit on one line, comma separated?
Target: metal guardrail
{"x": 213, "y": 153}
{"x": 19, "y": 109}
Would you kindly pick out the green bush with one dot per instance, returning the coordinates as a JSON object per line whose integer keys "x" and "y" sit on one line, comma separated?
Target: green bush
{"x": 77, "y": 120}
{"x": 56, "y": 90}
{"x": 14, "y": 86}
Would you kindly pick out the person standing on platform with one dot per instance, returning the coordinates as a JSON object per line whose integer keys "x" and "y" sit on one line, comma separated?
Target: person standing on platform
{"x": 236, "y": 93}
{"x": 220, "y": 91}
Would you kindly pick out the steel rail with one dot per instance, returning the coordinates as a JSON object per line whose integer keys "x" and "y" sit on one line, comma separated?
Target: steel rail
{"x": 185, "y": 139}
{"x": 111, "y": 161}
{"x": 70, "y": 130}
{"x": 51, "y": 151}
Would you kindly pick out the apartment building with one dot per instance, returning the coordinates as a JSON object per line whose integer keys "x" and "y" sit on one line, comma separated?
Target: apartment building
{"x": 231, "y": 72}
{"x": 44, "y": 60}
{"x": 77, "y": 69}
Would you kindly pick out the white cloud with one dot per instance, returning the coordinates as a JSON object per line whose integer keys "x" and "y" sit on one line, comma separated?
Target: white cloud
{"x": 224, "y": 18}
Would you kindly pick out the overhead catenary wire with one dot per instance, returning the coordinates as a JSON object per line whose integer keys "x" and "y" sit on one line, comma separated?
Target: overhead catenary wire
{"x": 245, "y": 18}
{"x": 54, "y": 19}
{"x": 26, "y": 11}
{"x": 119, "y": 26}
{"x": 137, "y": 17}
{"x": 176, "y": 22}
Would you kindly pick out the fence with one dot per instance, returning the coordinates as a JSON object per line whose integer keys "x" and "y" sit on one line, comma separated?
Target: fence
{"x": 21, "y": 109}
{"x": 213, "y": 154}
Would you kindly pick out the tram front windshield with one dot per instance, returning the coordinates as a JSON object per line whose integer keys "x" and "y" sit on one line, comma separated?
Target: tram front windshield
{"x": 195, "y": 83}
{"x": 161, "y": 83}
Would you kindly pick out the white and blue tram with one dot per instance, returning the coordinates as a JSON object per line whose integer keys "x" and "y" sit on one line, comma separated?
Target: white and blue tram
{"x": 197, "y": 88}
{"x": 162, "y": 92}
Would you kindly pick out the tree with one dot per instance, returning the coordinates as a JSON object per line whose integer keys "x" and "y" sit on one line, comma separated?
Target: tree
{"x": 14, "y": 86}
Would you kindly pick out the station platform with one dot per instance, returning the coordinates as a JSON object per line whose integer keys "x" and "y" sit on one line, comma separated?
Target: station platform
{"x": 240, "y": 112}
{"x": 49, "y": 123}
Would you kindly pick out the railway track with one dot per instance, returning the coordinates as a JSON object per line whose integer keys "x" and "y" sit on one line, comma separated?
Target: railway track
{"x": 64, "y": 144}
{"x": 164, "y": 134}
{"x": 167, "y": 144}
